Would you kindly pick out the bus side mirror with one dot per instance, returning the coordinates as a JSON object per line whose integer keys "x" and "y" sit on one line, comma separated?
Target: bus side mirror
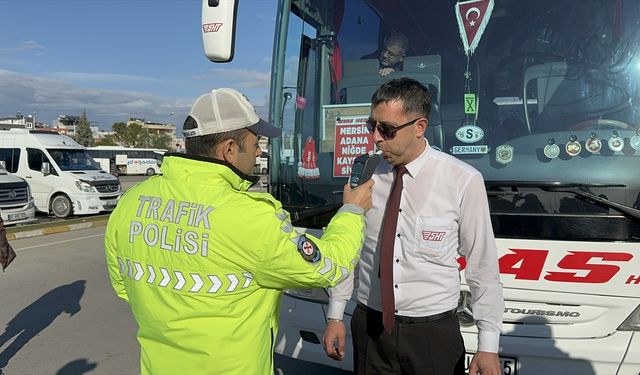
{"x": 45, "y": 169}
{"x": 219, "y": 29}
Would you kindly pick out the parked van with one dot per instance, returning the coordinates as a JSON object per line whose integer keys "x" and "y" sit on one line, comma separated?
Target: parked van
{"x": 16, "y": 202}
{"x": 63, "y": 178}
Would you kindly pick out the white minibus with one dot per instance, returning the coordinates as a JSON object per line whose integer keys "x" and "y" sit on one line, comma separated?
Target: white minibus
{"x": 63, "y": 178}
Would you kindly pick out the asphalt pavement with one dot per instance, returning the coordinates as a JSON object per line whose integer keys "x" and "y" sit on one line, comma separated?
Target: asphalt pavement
{"x": 61, "y": 314}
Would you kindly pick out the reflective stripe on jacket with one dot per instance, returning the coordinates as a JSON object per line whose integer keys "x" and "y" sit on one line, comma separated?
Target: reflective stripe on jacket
{"x": 202, "y": 263}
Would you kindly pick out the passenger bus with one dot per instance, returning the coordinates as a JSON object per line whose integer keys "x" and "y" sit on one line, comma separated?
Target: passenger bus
{"x": 128, "y": 161}
{"x": 542, "y": 97}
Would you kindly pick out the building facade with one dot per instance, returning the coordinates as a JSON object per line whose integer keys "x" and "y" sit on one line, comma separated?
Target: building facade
{"x": 159, "y": 128}
{"x": 19, "y": 121}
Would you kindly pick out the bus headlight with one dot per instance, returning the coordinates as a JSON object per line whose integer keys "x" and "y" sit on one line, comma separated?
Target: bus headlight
{"x": 632, "y": 323}
{"x": 85, "y": 187}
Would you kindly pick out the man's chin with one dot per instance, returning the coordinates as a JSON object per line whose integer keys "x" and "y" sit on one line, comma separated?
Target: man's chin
{"x": 388, "y": 157}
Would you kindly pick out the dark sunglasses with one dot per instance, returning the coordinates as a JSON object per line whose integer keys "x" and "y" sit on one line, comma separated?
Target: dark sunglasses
{"x": 386, "y": 130}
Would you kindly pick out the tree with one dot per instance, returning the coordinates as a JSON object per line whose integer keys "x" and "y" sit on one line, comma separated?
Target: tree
{"x": 133, "y": 135}
{"x": 160, "y": 140}
{"x": 107, "y": 140}
{"x": 83, "y": 135}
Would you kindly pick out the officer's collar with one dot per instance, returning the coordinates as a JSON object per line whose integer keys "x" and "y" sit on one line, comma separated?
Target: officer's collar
{"x": 253, "y": 179}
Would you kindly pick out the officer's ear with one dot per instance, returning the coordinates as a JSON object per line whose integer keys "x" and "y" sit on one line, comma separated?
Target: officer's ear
{"x": 421, "y": 127}
{"x": 227, "y": 150}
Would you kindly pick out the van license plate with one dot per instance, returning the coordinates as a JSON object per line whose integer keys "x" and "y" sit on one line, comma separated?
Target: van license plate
{"x": 18, "y": 216}
{"x": 111, "y": 202}
{"x": 509, "y": 365}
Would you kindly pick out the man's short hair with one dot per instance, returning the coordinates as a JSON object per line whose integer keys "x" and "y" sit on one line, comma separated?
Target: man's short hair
{"x": 205, "y": 145}
{"x": 399, "y": 40}
{"x": 414, "y": 95}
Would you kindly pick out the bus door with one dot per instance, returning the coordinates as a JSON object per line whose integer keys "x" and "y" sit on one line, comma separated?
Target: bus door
{"x": 121, "y": 163}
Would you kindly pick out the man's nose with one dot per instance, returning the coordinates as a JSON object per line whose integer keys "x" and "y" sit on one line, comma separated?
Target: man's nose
{"x": 377, "y": 137}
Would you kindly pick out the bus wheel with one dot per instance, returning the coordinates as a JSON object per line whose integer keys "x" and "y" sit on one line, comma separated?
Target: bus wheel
{"x": 151, "y": 172}
{"x": 61, "y": 206}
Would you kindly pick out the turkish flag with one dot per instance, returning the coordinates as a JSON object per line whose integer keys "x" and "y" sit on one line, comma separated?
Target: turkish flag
{"x": 473, "y": 17}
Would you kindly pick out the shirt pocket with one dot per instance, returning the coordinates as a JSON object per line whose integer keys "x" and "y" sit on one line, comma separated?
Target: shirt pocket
{"x": 433, "y": 236}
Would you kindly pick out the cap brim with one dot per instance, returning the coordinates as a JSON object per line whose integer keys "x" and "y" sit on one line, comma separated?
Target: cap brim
{"x": 265, "y": 129}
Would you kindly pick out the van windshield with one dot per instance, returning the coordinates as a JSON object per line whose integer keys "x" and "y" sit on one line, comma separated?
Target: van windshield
{"x": 73, "y": 160}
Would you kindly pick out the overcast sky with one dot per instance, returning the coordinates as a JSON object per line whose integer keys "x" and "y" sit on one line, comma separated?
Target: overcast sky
{"x": 124, "y": 58}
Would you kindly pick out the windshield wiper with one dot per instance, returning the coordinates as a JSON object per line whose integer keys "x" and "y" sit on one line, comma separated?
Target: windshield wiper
{"x": 581, "y": 190}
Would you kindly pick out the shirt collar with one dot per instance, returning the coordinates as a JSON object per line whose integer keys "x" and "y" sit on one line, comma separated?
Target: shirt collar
{"x": 416, "y": 165}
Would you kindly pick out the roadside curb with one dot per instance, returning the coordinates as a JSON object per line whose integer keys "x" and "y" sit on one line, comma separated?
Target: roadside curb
{"x": 26, "y": 231}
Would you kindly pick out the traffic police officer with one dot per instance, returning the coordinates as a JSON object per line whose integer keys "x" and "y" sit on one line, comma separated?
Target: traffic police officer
{"x": 202, "y": 261}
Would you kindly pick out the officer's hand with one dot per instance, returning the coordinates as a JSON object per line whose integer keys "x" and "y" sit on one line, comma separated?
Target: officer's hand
{"x": 383, "y": 72}
{"x": 333, "y": 339}
{"x": 360, "y": 196}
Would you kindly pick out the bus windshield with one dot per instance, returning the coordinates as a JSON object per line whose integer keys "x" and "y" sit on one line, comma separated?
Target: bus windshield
{"x": 542, "y": 97}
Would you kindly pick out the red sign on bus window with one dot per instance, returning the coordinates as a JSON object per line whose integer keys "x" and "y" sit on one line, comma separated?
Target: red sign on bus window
{"x": 352, "y": 140}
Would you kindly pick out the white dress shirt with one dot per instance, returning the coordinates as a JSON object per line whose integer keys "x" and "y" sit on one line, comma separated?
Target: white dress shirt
{"x": 444, "y": 213}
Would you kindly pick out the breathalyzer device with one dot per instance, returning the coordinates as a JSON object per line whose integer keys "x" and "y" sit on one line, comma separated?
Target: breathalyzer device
{"x": 363, "y": 167}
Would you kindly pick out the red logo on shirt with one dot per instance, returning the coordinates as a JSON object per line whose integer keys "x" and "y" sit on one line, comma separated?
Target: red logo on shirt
{"x": 428, "y": 235}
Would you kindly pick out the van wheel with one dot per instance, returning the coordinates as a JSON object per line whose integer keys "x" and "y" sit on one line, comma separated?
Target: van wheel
{"x": 61, "y": 206}
{"x": 151, "y": 172}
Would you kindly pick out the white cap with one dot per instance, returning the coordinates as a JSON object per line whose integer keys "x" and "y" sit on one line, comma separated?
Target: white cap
{"x": 224, "y": 110}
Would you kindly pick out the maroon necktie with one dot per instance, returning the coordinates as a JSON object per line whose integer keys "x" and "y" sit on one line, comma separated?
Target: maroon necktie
{"x": 386, "y": 250}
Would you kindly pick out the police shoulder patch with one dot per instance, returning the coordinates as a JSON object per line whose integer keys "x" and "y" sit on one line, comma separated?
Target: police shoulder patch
{"x": 308, "y": 249}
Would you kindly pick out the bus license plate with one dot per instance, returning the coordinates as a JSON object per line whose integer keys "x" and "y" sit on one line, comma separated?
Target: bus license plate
{"x": 509, "y": 365}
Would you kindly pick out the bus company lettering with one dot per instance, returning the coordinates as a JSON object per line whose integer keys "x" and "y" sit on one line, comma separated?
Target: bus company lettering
{"x": 192, "y": 240}
{"x": 211, "y": 27}
{"x": 141, "y": 161}
{"x": 514, "y": 310}
{"x": 591, "y": 267}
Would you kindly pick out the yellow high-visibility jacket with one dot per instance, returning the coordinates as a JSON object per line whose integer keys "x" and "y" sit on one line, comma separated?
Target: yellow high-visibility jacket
{"x": 202, "y": 262}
